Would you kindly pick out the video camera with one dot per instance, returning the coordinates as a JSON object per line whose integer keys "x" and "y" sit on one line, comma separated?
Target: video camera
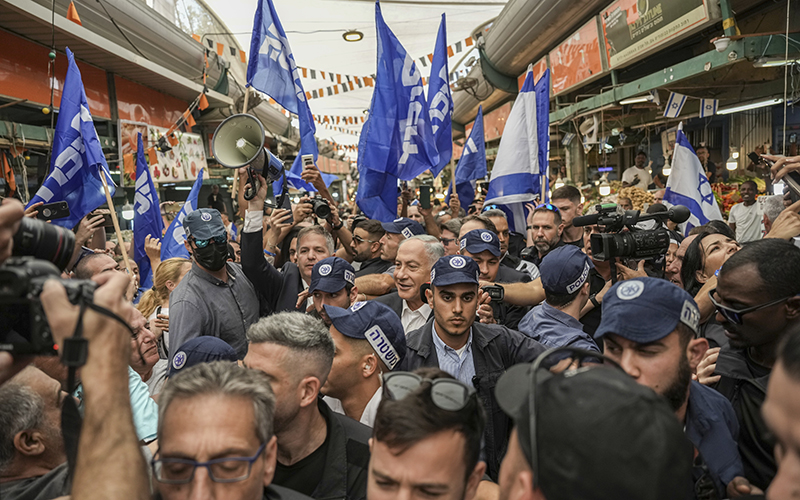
{"x": 41, "y": 251}
{"x": 635, "y": 243}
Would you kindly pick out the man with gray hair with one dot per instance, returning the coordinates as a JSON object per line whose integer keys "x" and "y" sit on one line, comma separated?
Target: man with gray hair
{"x": 415, "y": 258}
{"x": 217, "y": 416}
{"x": 321, "y": 454}
{"x": 772, "y": 208}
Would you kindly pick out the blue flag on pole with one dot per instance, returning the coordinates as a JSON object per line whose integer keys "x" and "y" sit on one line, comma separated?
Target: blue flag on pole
{"x": 146, "y": 216}
{"x": 172, "y": 245}
{"x": 77, "y": 157}
{"x": 688, "y": 185}
{"x": 472, "y": 165}
{"x": 440, "y": 102}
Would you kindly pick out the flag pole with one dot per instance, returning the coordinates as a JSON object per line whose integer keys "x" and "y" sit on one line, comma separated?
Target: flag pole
{"x": 116, "y": 223}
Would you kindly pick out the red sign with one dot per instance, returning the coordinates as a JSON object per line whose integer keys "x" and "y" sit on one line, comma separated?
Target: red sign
{"x": 577, "y": 59}
{"x": 538, "y": 70}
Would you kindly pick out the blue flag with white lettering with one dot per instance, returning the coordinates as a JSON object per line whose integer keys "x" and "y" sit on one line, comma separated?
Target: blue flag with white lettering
{"x": 77, "y": 157}
{"x": 472, "y": 165}
{"x": 146, "y": 216}
{"x": 440, "y": 102}
{"x": 172, "y": 245}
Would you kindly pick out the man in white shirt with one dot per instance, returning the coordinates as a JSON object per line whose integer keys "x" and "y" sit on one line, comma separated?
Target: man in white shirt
{"x": 370, "y": 341}
{"x": 638, "y": 175}
{"x": 746, "y": 217}
{"x": 415, "y": 257}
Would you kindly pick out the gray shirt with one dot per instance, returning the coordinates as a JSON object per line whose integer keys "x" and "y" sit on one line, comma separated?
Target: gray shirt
{"x": 204, "y": 305}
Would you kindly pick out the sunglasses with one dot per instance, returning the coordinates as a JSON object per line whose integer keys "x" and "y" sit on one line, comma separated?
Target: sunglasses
{"x": 547, "y": 206}
{"x": 216, "y": 239}
{"x": 359, "y": 239}
{"x": 490, "y": 207}
{"x": 735, "y": 315}
{"x": 447, "y": 394}
{"x": 446, "y": 241}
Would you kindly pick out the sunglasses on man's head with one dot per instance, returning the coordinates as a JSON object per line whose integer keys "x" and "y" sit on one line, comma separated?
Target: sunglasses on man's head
{"x": 490, "y": 207}
{"x": 547, "y": 206}
{"x": 446, "y": 393}
{"x": 204, "y": 243}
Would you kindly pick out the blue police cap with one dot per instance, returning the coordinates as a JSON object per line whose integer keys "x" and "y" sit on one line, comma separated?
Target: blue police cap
{"x": 201, "y": 350}
{"x": 204, "y": 224}
{"x": 406, "y": 227}
{"x": 331, "y": 275}
{"x": 376, "y": 323}
{"x": 565, "y": 269}
{"x": 644, "y": 310}
{"x": 453, "y": 269}
{"x": 480, "y": 240}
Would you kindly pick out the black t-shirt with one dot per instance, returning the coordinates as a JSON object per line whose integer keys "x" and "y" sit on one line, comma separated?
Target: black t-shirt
{"x": 578, "y": 243}
{"x": 304, "y": 476}
{"x": 51, "y": 485}
{"x": 591, "y": 320}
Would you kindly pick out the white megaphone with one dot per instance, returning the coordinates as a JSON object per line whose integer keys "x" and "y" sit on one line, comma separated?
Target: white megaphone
{"x": 239, "y": 142}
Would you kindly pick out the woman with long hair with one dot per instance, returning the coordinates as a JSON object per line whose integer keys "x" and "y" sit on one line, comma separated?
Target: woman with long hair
{"x": 154, "y": 304}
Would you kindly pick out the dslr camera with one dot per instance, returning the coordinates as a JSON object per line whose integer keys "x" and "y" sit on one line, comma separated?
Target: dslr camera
{"x": 41, "y": 251}
{"x": 319, "y": 204}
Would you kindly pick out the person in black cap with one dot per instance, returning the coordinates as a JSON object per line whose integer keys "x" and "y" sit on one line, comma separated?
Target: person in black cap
{"x": 397, "y": 231}
{"x": 332, "y": 283}
{"x": 596, "y": 435}
{"x": 650, "y": 328}
{"x": 483, "y": 246}
{"x": 370, "y": 341}
{"x": 556, "y": 321}
{"x": 472, "y": 352}
{"x": 215, "y": 297}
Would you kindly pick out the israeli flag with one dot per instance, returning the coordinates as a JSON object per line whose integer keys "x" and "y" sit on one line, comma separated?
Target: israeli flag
{"x": 146, "y": 216}
{"x": 522, "y": 157}
{"x": 440, "y": 101}
{"x": 172, "y": 245}
{"x": 688, "y": 185}
{"x": 708, "y": 107}
{"x": 472, "y": 165}
{"x": 567, "y": 138}
{"x": 77, "y": 157}
{"x": 674, "y": 105}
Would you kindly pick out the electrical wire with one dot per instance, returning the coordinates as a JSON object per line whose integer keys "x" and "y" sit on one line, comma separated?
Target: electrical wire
{"x": 120, "y": 30}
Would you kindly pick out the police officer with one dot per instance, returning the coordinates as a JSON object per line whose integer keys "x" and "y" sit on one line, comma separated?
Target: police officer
{"x": 650, "y": 327}
{"x": 556, "y": 321}
{"x": 370, "y": 341}
{"x": 332, "y": 283}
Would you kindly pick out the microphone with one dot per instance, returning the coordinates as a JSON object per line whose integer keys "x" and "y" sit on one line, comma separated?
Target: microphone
{"x": 586, "y": 220}
{"x": 679, "y": 214}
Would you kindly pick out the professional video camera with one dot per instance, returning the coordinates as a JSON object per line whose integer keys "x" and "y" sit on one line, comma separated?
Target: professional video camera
{"x": 635, "y": 243}
{"x": 41, "y": 251}
{"x": 319, "y": 204}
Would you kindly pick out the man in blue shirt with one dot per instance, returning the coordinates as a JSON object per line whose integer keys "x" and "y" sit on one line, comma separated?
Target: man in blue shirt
{"x": 556, "y": 321}
{"x": 650, "y": 327}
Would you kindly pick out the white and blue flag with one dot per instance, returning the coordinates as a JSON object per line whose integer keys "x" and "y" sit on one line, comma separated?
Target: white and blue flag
{"x": 708, "y": 107}
{"x": 688, "y": 185}
{"x": 77, "y": 157}
{"x": 146, "y": 216}
{"x": 674, "y": 105}
{"x": 440, "y": 101}
{"x": 472, "y": 165}
{"x": 522, "y": 157}
{"x": 172, "y": 245}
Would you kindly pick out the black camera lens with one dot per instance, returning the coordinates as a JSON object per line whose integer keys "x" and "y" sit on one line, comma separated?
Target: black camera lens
{"x": 321, "y": 208}
{"x": 44, "y": 241}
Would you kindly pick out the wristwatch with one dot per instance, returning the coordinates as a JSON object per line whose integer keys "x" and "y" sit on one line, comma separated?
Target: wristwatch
{"x": 593, "y": 300}
{"x": 338, "y": 226}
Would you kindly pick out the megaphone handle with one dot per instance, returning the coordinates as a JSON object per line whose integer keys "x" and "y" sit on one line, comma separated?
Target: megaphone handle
{"x": 255, "y": 185}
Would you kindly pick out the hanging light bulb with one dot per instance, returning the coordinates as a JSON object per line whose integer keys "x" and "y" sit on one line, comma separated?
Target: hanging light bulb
{"x": 559, "y": 183}
{"x": 605, "y": 189}
{"x": 732, "y": 163}
{"x": 127, "y": 211}
{"x": 666, "y": 170}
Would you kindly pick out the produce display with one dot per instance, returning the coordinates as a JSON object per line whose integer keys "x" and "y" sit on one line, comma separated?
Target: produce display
{"x": 638, "y": 196}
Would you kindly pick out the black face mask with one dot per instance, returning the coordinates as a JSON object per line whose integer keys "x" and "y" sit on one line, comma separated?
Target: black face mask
{"x": 212, "y": 257}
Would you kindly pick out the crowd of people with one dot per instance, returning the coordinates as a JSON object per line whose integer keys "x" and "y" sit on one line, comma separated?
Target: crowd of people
{"x": 439, "y": 355}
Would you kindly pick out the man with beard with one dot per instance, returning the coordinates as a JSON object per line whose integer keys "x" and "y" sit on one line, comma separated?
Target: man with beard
{"x": 757, "y": 304}
{"x": 650, "y": 328}
{"x": 321, "y": 453}
{"x": 366, "y": 247}
{"x": 332, "y": 283}
{"x": 215, "y": 297}
{"x": 544, "y": 233}
{"x": 568, "y": 201}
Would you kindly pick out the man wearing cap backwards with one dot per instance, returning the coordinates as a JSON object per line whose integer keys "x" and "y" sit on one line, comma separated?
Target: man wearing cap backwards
{"x": 483, "y": 246}
{"x": 650, "y": 327}
{"x": 215, "y": 297}
{"x": 556, "y": 321}
{"x": 415, "y": 257}
{"x": 472, "y": 352}
{"x": 397, "y": 231}
{"x": 597, "y": 435}
{"x": 332, "y": 283}
{"x": 370, "y": 341}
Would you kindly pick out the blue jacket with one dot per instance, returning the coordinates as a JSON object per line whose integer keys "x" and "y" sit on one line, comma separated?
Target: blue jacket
{"x": 713, "y": 429}
{"x": 553, "y": 328}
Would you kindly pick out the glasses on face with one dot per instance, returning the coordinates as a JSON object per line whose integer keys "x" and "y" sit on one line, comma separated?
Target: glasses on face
{"x": 447, "y": 241}
{"x": 735, "y": 315}
{"x": 359, "y": 239}
{"x": 204, "y": 243}
{"x": 446, "y": 393}
{"x": 547, "y": 206}
{"x": 220, "y": 470}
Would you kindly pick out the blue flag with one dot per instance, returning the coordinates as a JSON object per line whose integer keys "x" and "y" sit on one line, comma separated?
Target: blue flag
{"x": 146, "y": 216}
{"x": 172, "y": 245}
{"x": 542, "y": 89}
{"x": 377, "y": 191}
{"x": 77, "y": 157}
{"x": 397, "y": 138}
{"x": 440, "y": 102}
{"x": 472, "y": 165}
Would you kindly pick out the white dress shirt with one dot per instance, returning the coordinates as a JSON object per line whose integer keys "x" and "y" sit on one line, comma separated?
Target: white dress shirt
{"x": 413, "y": 320}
